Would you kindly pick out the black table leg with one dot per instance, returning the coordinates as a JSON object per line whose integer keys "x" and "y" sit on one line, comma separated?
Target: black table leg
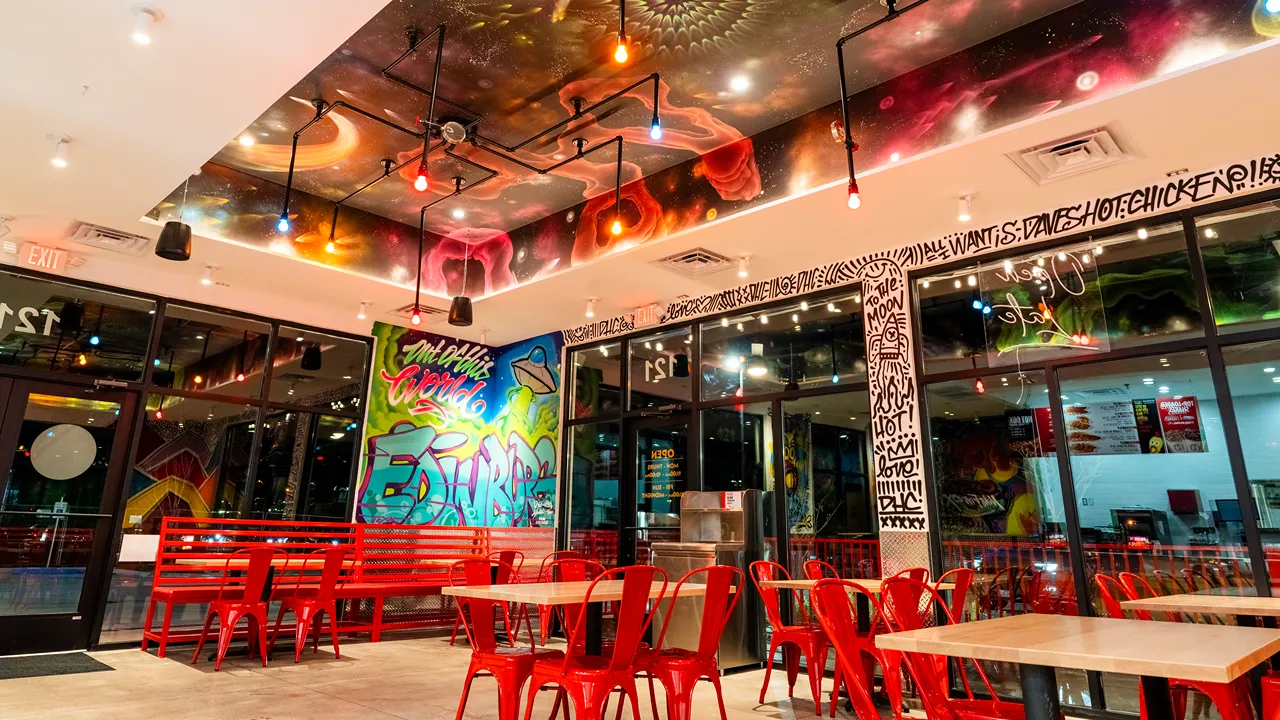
{"x": 864, "y": 613}
{"x": 1040, "y": 693}
{"x": 1156, "y": 698}
{"x": 595, "y": 628}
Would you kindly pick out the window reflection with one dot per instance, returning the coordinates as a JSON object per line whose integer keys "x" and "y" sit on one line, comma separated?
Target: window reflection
{"x": 593, "y": 497}
{"x": 1242, "y": 265}
{"x": 304, "y": 466}
{"x": 317, "y": 370}
{"x": 597, "y": 380}
{"x": 1253, "y": 373}
{"x": 659, "y": 369}
{"x": 808, "y": 344}
{"x": 209, "y": 352}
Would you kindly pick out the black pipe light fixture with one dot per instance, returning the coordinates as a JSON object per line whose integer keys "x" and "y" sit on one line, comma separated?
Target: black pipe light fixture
{"x": 620, "y": 53}
{"x": 460, "y": 310}
{"x": 175, "y": 239}
{"x": 855, "y": 195}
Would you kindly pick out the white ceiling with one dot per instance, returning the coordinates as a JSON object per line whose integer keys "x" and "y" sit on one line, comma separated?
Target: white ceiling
{"x": 152, "y": 114}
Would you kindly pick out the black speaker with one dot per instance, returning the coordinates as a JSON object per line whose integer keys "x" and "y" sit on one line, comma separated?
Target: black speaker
{"x": 460, "y": 311}
{"x": 311, "y": 357}
{"x": 175, "y": 241}
{"x": 680, "y": 365}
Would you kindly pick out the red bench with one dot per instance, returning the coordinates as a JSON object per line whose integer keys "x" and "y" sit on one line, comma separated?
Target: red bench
{"x": 403, "y": 561}
{"x": 192, "y": 554}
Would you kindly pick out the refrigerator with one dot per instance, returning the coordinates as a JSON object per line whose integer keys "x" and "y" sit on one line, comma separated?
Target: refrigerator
{"x": 716, "y": 528}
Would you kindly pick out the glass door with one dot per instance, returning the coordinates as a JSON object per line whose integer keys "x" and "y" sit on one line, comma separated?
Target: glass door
{"x": 659, "y": 476}
{"x": 62, "y": 452}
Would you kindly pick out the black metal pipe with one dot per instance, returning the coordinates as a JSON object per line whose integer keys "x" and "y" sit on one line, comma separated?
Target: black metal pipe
{"x": 578, "y": 113}
{"x": 894, "y": 13}
{"x": 414, "y": 44}
{"x": 387, "y": 166}
{"x": 435, "y": 78}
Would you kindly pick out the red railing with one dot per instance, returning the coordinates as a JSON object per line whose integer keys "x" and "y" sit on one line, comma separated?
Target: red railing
{"x": 851, "y": 558}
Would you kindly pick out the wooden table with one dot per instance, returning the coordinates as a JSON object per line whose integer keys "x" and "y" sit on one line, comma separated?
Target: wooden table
{"x": 1247, "y": 608}
{"x": 872, "y": 585}
{"x": 570, "y": 593}
{"x": 1154, "y": 651}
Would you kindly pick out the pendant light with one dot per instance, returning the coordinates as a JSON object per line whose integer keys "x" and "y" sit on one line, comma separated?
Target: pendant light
{"x": 175, "y": 239}
{"x": 620, "y": 53}
{"x": 460, "y": 310}
{"x": 617, "y": 194}
{"x": 416, "y": 317}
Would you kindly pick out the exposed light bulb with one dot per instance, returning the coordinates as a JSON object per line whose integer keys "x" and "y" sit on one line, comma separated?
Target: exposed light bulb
{"x": 742, "y": 266}
{"x": 159, "y": 414}
{"x": 835, "y": 378}
{"x": 724, "y": 322}
{"x": 1142, "y": 232}
{"x": 282, "y": 225}
{"x": 658, "y": 347}
{"x": 95, "y": 340}
{"x": 330, "y": 247}
{"x": 1272, "y": 6}
{"x": 143, "y": 19}
{"x": 246, "y": 140}
{"x": 198, "y": 379}
{"x": 620, "y": 53}
{"x": 458, "y": 213}
{"x": 655, "y": 128}
{"x": 239, "y": 377}
{"x": 972, "y": 281}
{"x": 764, "y": 319}
{"x": 364, "y": 307}
{"x": 895, "y": 157}
{"x": 416, "y": 318}
{"x": 804, "y": 306}
{"x": 739, "y": 83}
{"x": 965, "y": 213}
{"x": 82, "y": 360}
{"x": 421, "y": 182}
{"x": 617, "y": 227}
{"x": 855, "y": 196}
{"x": 59, "y": 159}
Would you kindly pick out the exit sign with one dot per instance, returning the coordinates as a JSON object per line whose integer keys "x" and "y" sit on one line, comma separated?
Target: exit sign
{"x": 647, "y": 315}
{"x": 43, "y": 258}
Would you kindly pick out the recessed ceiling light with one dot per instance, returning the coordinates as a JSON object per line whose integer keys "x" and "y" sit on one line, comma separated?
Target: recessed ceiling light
{"x": 895, "y": 157}
{"x": 246, "y": 140}
{"x": 1268, "y": 369}
{"x": 739, "y": 83}
{"x": 458, "y": 213}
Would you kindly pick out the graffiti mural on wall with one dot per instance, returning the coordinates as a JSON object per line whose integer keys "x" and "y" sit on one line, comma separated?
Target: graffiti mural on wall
{"x": 798, "y": 473}
{"x": 460, "y": 433}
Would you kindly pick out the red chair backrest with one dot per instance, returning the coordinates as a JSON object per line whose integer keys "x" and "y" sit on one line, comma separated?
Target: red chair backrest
{"x": 818, "y": 569}
{"x": 480, "y": 614}
{"x": 918, "y": 574}
{"x": 633, "y": 619}
{"x": 762, "y": 570}
{"x": 573, "y": 570}
{"x": 248, "y": 586}
{"x": 327, "y": 566}
{"x": 544, "y": 570}
{"x": 1052, "y": 593}
{"x": 512, "y": 562}
{"x": 962, "y": 578}
{"x": 724, "y": 588}
{"x": 833, "y": 603}
{"x": 1108, "y": 589}
{"x": 1132, "y": 582}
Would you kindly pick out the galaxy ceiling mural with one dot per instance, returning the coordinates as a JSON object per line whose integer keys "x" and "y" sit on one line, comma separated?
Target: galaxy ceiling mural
{"x": 747, "y": 94}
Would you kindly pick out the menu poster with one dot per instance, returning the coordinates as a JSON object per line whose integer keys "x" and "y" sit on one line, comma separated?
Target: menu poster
{"x": 1103, "y": 428}
{"x": 1021, "y": 431}
{"x": 1180, "y": 420}
{"x": 1044, "y": 430}
{"x": 1150, "y": 437}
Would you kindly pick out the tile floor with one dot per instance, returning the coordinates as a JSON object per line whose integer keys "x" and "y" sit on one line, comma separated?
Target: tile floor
{"x": 410, "y": 679}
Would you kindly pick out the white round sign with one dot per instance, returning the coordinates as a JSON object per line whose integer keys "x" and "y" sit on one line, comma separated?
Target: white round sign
{"x": 63, "y": 452}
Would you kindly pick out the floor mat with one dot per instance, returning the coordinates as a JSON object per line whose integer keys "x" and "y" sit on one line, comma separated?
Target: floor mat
{"x": 29, "y": 666}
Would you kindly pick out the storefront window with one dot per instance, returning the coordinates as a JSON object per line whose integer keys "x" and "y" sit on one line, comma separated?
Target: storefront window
{"x": 1253, "y": 373}
{"x": 658, "y": 368}
{"x": 737, "y": 454}
{"x": 595, "y": 463}
{"x": 597, "y": 380}
{"x": 62, "y": 328}
{"x": 1242, "y": 265}
{"x": 1130, "y": 289}
{"x": 805, "y": 345}
{"x": 830, "y": 495}
{"x": 317, "y": 370}
{"x": 999, "y": 499}
{"x": 304, "y": 466}
{"x": 207, "y": 352}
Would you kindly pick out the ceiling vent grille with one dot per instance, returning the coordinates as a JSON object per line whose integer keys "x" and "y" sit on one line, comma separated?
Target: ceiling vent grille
{"x": 428, "y": 313}
{"x": 1075, "y": 155}
{"x": 695, "y": 262}
{"x": 105, "y": 238}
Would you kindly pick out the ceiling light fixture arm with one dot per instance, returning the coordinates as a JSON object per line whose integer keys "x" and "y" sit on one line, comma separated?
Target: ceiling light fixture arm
{"x": 849, "y": 145}
{"x": 414, "y": 43}
{"x": 387, "y": 166}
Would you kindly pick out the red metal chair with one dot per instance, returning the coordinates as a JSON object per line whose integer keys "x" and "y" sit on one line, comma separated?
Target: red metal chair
{"x": 587, "y": 680}
{"x": 508, "y": 566}
{"x": 962, "y": 578}
{"x": 859, "y": 646}
{"x": 1137, "y": 587}
{"x": 308, "y": 603}
{"x": 679, "y": 670}
{"x": 918, "y": 574}
{"x": 795, "y": 640}
{"x": 240, "y": 597}
{"x": 1231, "y": 699}
{"x": 509, "y": 666}
{"x": 1051, "y": 592}
{"x": 544, "y": 575}
{"x": 833, "y": 604}
{"x": 901, "y": 602}
{"x": 818, "y": 569}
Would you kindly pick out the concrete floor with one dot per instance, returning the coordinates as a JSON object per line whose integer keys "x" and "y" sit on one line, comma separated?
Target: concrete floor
{"x": 411, "y": 679}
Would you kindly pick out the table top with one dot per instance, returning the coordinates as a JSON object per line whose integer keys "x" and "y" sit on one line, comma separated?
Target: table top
{"x": 293, "y": 562}
{"x": 1212, "y": 603}
{"x": 872, "y": 585}
{"x": 1183, "y": 651}
{"x": 563, "y": 593}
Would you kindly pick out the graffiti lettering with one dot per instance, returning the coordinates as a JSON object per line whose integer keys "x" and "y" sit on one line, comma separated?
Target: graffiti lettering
{"x": 461, "y": 358}
{"x": 434, "y": 393}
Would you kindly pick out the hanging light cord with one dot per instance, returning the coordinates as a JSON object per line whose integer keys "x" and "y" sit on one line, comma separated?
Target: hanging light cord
{"x": 417, "y": 290}
{"x": 466, "y": 257}
{"x": 182, "y": 212}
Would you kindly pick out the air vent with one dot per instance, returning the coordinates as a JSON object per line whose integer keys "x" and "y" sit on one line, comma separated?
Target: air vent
{"x": 695, "y": 263}
{"x": 1074, "y": 155}
{"x": 107, "y": 239}
{"x": 428, "y": 313}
